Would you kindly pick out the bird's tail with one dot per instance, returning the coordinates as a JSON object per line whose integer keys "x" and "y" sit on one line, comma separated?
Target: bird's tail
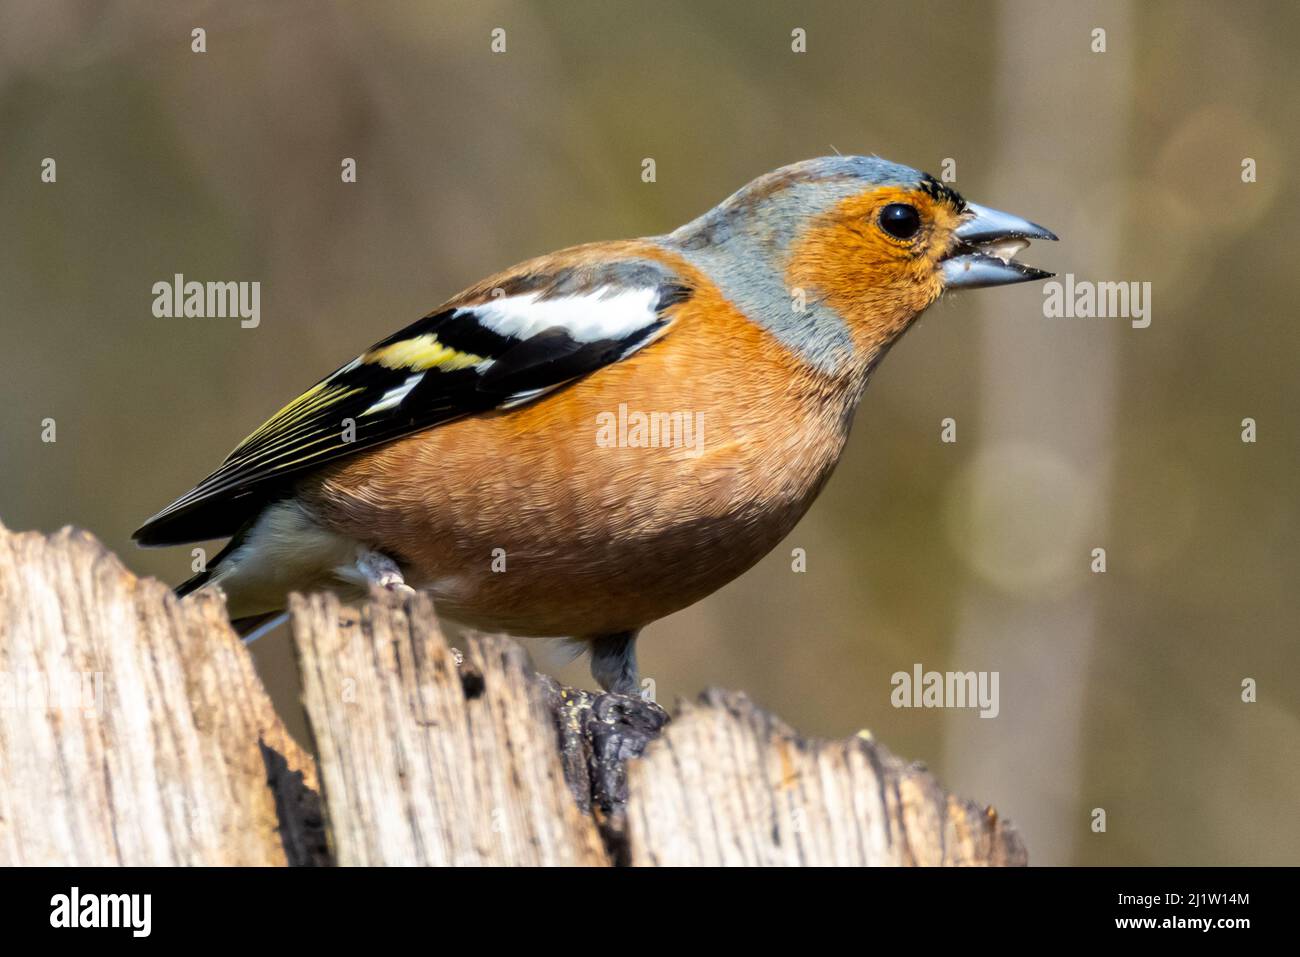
{"x": 249, "y": 628}
{"x": 193, "y": 584}
{"x": 196, "y": 582}
{"x": 255, "y": 626}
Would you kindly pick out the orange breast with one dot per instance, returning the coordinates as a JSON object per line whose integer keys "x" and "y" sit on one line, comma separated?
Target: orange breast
{"x": 563, "y": 518}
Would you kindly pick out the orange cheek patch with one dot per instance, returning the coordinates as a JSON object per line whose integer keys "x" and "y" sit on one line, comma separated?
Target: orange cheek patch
{"x": 876, "y": 283}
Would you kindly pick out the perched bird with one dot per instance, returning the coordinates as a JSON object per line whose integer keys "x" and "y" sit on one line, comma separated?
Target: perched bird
{"x": 601, "y": 436}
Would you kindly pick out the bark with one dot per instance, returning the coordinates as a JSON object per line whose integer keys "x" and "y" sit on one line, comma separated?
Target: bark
{"x": 169, "y": 751}
{"x": 164, "y": 749}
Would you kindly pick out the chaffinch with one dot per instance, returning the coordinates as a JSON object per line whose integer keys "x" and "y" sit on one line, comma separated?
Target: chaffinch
{"x": 601, "y": 436}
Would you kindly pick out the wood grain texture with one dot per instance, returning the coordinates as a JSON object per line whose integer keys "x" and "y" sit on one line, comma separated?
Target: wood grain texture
{"x": 425, "y": 762}
{"x": 176, "y": 757}
{"x": 728, "y": 784}
{"x": 166, "y": 750}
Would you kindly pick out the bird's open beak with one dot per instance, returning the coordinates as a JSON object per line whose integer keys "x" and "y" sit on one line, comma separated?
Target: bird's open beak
{"x": 987, "y": 244}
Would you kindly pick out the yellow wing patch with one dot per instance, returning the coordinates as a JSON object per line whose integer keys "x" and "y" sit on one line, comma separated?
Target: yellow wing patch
{"x": 420, "y": 353}
{"x": 280, "y": 434}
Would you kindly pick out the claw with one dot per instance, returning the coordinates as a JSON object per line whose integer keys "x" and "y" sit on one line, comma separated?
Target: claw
{"x": 377, "y": 569}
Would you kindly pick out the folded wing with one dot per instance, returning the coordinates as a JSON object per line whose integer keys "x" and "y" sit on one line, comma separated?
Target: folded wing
{"x": 529, "y": 336}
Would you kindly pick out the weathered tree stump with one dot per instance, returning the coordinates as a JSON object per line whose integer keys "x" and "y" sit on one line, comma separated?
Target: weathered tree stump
{"x": 729, "y": 784}
{"x": 421, "y": 763}
{"x": 168, "y": 750}
{"x": 172, "y": 754}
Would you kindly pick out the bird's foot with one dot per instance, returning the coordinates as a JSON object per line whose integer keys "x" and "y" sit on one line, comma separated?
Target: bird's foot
{"x": 599, "y": 734}
{"x": 377, "y": 569}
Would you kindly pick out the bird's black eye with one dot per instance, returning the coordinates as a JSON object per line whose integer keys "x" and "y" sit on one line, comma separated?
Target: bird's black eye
{"x": 900, "y": 220}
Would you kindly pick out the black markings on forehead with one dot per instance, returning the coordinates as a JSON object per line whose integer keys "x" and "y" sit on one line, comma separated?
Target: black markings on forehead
{"x": 944, "y": 194}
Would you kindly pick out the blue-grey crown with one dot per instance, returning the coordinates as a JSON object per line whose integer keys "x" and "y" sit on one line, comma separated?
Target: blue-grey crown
{"x": 777, "y": 203}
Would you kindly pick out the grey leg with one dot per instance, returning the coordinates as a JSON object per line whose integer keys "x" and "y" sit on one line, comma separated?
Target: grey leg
{"x": 613, "y": 663}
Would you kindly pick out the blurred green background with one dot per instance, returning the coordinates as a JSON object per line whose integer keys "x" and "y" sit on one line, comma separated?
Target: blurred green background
{"x": 1119, "y": 691}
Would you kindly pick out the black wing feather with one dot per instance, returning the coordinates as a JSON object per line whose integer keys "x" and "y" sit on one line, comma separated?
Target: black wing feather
{"x": 310, "y": 431}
